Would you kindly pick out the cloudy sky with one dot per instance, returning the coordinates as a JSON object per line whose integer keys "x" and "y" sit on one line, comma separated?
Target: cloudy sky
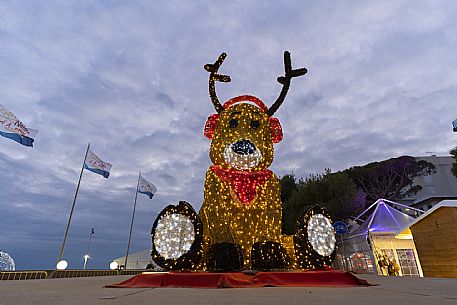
{"x": 127, "y": 77}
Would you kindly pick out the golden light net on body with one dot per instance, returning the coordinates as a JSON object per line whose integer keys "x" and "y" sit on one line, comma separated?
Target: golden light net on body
{"x": 239, "y": 223}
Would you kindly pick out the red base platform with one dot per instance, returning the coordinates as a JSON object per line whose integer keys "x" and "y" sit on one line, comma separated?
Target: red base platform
{"x": 313, "y": 278}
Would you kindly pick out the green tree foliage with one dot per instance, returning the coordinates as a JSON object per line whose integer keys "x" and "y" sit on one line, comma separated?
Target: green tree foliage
{"x": 453, "y": 152}
{"x": 345, "y": 193}
{"x": 390, "y": 179}
{"x": 335, "y": 191}
{"x": 288, "y": 186}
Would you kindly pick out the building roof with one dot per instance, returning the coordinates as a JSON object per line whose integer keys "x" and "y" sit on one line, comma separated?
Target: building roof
{"x": 136, "y": 260}
{"x": 440, "y": 185}
{"x": 444, "y": 203}
{"x": 384, "y": 220}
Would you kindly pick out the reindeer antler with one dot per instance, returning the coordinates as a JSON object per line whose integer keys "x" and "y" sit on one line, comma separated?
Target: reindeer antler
{"x": 285, "y": 81}
{"x": 213, "y": 77}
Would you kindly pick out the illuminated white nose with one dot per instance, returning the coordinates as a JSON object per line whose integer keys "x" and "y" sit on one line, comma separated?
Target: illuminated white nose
{"x": 242, "y": 155}
{"x": 243, "y": 147}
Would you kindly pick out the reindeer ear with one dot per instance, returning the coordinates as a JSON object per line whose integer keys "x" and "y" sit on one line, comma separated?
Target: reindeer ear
{"x": 210, "y": 126}
{"x": 276, "y": 130}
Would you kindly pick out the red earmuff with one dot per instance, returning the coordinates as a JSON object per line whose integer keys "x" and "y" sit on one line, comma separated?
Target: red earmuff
{"x": 276, "y": 130}
{"x": 210, "y": 125}
{"x": 275, "y": 126}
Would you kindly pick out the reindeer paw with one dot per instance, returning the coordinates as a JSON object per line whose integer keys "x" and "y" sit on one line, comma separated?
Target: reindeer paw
{"x": 268, "y": 256}
{"x": 224, "y": 257}
{"x": 177, "y": 236}
{"x": 314, "y": 239}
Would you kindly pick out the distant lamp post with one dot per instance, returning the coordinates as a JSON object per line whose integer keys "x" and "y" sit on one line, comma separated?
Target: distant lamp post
{"x": 113, "y": 265}
{"x": 454, "y": 125}
{"x": 86, "y": 256}
{"x": 62, "y": 265}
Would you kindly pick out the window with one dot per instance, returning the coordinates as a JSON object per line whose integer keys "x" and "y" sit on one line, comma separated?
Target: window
{"x": 389, "y": 253}
{"x": 407, "y": 262}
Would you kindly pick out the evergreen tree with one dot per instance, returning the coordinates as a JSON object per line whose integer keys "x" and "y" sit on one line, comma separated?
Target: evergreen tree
{"x": 390, "y": 179}
{"x": 334, "y": 191}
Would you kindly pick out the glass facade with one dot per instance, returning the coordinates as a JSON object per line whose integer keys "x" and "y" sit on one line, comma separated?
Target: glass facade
{"x": 407, "y": 262}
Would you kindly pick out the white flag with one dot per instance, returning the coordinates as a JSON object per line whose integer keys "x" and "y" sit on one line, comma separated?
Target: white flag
{"x": 12, "y": 128}
{"x": 96, "y": 165}
{"x": 146, "y": 187}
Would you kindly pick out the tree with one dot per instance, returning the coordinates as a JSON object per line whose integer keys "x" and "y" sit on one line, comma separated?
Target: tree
{"x": 453, "y": 152}
{"x": 288, "y": 186}
{"x": 390, "y": 179}
{"x": 335, "y": 191}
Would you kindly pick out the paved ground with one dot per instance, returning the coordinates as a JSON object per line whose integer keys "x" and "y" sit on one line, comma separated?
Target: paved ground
{"x": 88, "y": 291}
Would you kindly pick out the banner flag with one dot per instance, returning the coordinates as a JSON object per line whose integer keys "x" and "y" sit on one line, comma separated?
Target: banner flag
{"x": 146, "y": 187}
{"x": 96, "y": 165}
{"x": 12, "y": 128}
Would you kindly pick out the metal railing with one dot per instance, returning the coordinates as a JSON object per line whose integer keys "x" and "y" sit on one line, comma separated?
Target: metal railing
{"x": 23, "y": 275}
{"x": 55, "y": 274}
{"x": 81, "y": 273}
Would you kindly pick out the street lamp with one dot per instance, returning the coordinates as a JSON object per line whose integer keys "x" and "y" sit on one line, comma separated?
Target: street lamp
{"x": 62, "y": 265}
{"x": 86, "y": 256}
{"x": 113, "y": 265}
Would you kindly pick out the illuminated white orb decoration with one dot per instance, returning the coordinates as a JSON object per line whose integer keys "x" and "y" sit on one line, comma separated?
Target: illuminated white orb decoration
{"x": 321, "y": 234}
{"x": 6, "y": 262}
{"x": 62, "y": 265}
{"x": 174, "y": 235}
{"x": 113, "y": 265}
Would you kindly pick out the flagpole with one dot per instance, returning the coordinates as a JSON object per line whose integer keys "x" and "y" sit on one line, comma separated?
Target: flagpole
{"x": 72, "y": 207}
{"x": 131, "y": 224}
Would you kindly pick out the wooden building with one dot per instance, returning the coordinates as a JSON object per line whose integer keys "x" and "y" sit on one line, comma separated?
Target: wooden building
{"x": 435, "y": 237}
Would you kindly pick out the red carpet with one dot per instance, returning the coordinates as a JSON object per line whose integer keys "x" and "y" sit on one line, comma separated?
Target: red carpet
{"x": 239, "y": 279}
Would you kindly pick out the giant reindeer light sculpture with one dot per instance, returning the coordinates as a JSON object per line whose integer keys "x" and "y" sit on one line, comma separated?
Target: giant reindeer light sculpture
{"x": 241, "y": 213}
{"x": 242, "y": 206}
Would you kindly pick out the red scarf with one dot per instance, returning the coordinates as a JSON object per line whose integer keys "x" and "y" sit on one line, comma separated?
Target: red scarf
{"x": 242, "y": 183}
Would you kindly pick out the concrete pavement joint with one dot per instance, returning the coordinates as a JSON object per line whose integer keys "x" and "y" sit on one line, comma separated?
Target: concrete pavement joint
{"x": 125, "y": 295}
{"x": 404, "y": 292}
